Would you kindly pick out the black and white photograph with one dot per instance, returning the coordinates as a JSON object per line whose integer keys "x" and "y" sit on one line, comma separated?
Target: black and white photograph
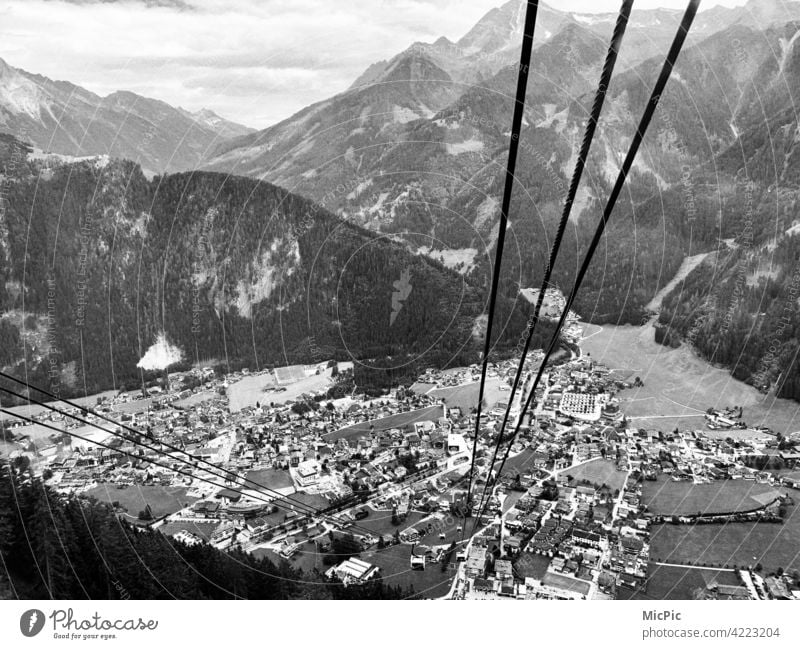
{"x": 399, "y": 300}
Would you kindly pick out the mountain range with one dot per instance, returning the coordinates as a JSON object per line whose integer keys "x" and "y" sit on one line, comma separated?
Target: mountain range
{"x": 62, "y": 118}
{"x": 416, "y": 148}
{"x": 409, "y": 161}
{"x": 98, "y": 265}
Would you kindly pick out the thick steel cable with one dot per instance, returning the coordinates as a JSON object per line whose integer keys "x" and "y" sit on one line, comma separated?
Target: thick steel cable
{"x": 134, "y": 431}
{"x": 307, "y": 510}
{"x": 588, "y": 136}
{"x": 285, "y": 508}
{"x": 516, "y": 127}
{"x": 652, "y": 104}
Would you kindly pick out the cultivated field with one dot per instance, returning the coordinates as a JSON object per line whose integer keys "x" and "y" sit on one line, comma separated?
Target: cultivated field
{"x": 678, "y": 386}
{"x": 599, "y": 472}
{"x": 668, "y": 497}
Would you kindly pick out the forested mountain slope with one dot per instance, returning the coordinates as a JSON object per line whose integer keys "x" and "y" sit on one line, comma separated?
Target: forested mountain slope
{"x": 97, "y": 262}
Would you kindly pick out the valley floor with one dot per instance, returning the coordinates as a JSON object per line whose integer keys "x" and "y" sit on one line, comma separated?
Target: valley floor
{"x": 678, "y": 385}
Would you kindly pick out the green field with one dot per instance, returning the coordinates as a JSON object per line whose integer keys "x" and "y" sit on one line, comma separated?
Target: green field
{"x": 394, "y": 562}
{"x": 521, "y": 463}
{"x": 250, "y": 390}
{"x": 669, "y": 497}
{"x": 37, "y": 433}
{"x": 737, "y": 435}
{"x": 32, "y": 410}
{"x": 679, "y": 386}
{"x": 566, "y": 582}
{"x": 380, "y": 522}
{"x": 466, "y": 396}
{"x": 400, "y": 420}
{"x": 599, "y": 472}
{"x": 6, "y": 448}
{"x": 270, "y": 478}
{"x": 200, "y": 529}
{"x": 308, "y": 558}
{"x": 134, "y": 406}
{"x": 314, "y": 501}
{"x": 771, "y": 544}
{"x": 678, "y": 583}
{"x": 443, "y": 523}
{"x": 162, "y": 500}
{"x": 196, "y": 398}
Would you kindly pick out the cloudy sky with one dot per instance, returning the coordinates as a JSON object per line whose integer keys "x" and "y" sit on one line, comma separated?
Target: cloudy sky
{"x": 254, "y": 61}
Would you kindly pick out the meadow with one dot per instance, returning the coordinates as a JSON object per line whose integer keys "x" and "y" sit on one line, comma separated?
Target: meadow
{"x": 678, "y": 385}
{"x": 669, "y": 497}
{"x": 162, "y": 500}
{"x": 599, "y": 472}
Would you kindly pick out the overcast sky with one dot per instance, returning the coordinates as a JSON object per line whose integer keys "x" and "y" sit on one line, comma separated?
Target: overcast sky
{"x": 254, "y": 61}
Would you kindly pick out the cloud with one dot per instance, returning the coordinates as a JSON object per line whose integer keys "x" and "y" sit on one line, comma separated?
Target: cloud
{"x": 175, "y": 4}
{"x": 204, "y": 53}
{"x": 253, "y": 61}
